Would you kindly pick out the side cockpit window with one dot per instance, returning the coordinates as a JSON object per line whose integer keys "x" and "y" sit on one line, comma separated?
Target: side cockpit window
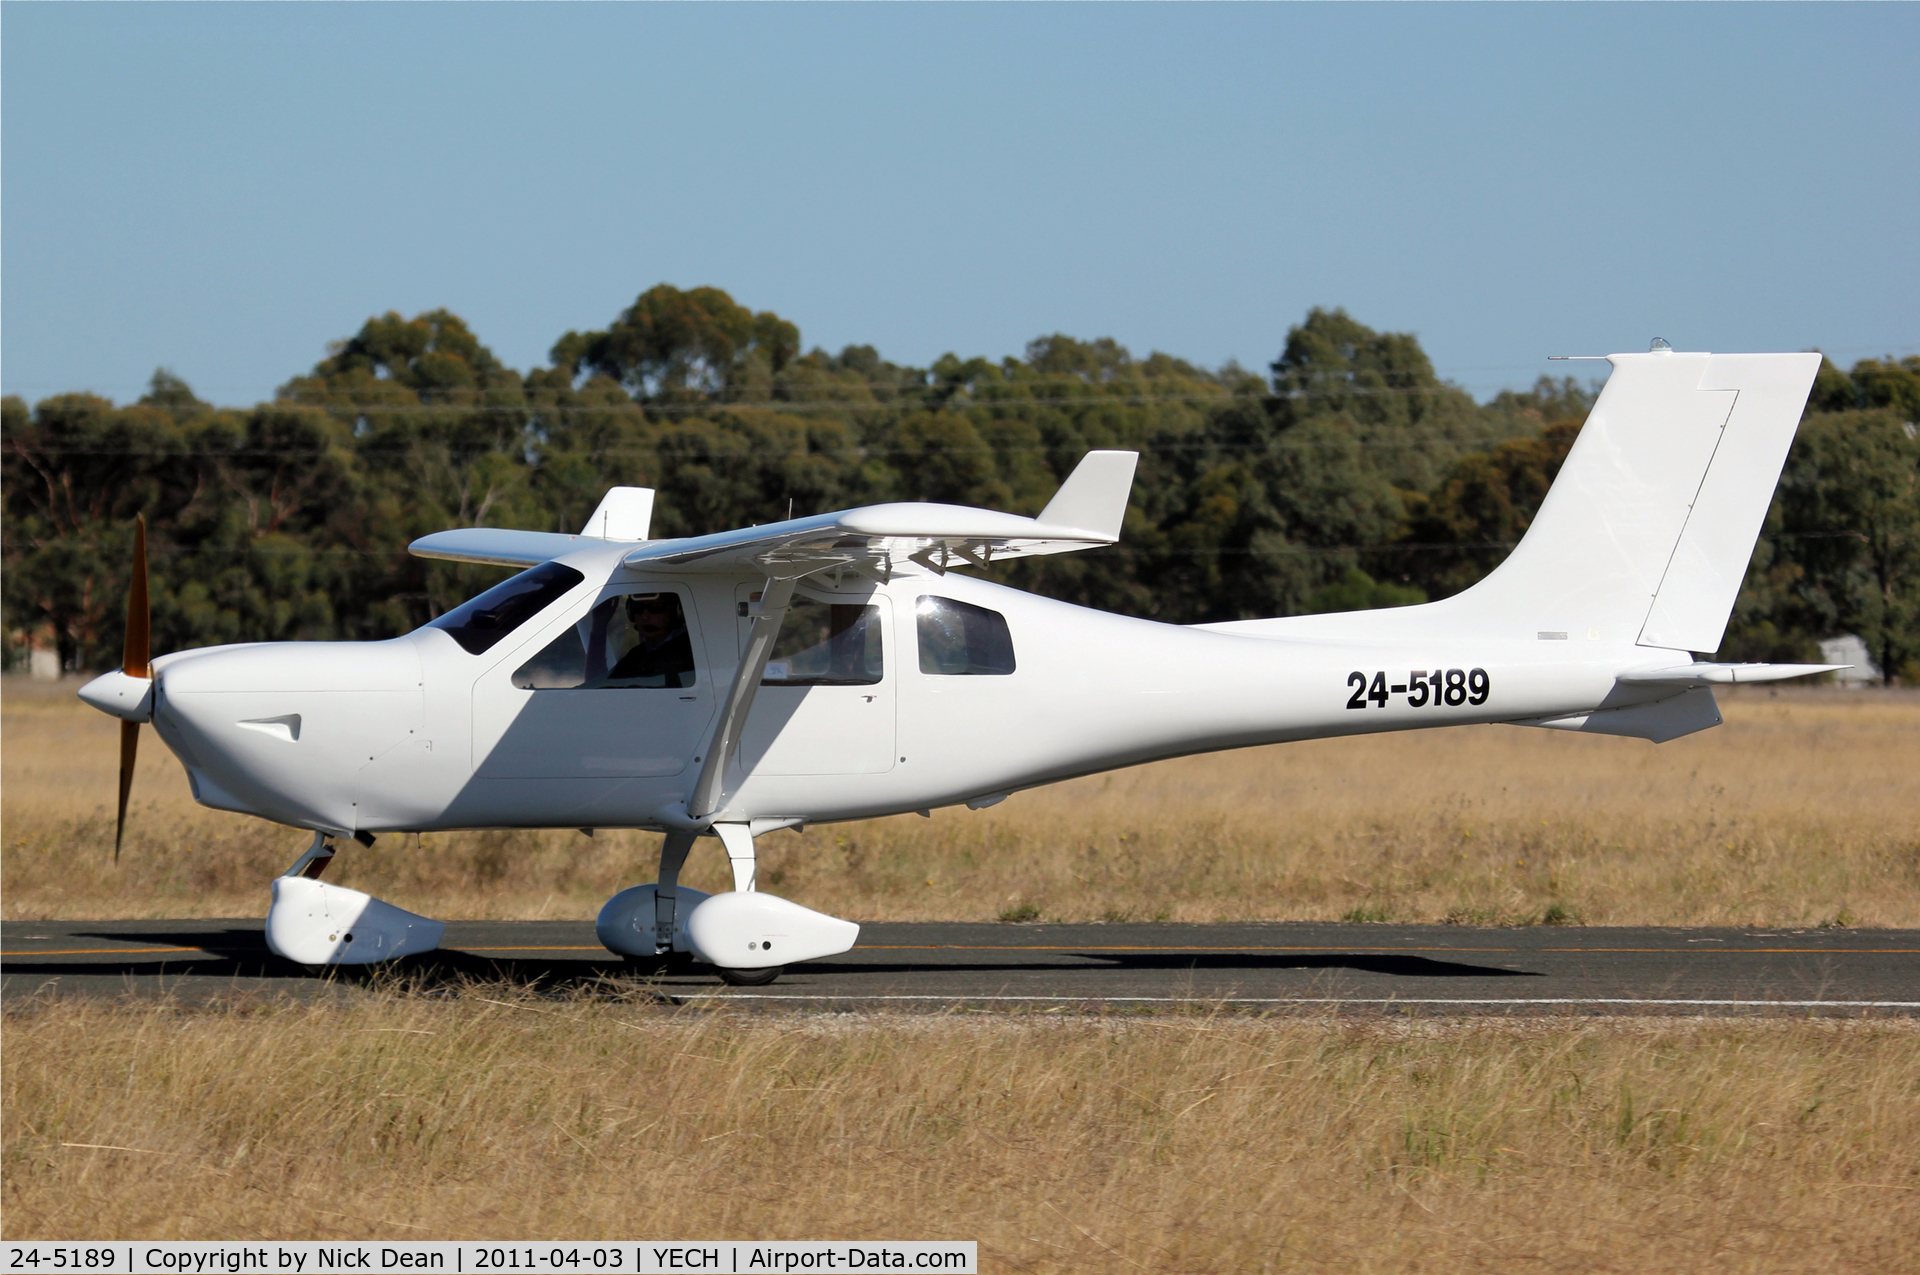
{"x": 628, "y": 642}
{"x": 958, "y": 638}
{"x": 827, "y": 644}
{"x": 479, "y": 623}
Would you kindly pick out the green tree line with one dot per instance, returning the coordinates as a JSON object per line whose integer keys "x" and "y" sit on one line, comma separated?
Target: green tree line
{"x": 1348, "y": 476}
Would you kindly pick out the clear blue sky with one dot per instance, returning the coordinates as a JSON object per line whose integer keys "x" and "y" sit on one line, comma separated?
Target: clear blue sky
{"x": 223, "y": 189}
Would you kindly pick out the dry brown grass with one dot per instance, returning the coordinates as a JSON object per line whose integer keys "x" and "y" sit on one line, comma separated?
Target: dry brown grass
{"x": 1799, "y": 811}
{"x": 1185, "y": 1142}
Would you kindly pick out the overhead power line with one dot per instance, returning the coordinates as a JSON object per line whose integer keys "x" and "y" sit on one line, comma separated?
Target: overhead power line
{"x": 853, "y": 453}
{"x": 159, "y": 552}
{"x": 930, "y": 398}
{"x": 1881, "y": 350}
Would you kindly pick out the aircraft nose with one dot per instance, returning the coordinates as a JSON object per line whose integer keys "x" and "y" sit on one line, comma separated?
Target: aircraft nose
{"x": 284, "y": 729}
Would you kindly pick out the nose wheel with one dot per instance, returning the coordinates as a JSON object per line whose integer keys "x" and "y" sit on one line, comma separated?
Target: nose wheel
{"x": 751, "y": 978}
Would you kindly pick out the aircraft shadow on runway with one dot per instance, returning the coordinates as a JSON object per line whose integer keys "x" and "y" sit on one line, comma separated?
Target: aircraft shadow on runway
{"x": 243, "y": 954}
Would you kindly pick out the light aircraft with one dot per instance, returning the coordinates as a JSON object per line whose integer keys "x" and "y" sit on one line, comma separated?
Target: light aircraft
{"x": 842, "y": 666}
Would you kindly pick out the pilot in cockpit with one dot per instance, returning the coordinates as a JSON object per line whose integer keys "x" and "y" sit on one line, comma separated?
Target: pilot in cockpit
{"x": 662, "y": 653}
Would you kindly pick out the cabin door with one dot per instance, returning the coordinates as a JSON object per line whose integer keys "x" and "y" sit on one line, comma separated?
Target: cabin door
{"x": 619, "y": 692}
{"x": 826, "y": 703}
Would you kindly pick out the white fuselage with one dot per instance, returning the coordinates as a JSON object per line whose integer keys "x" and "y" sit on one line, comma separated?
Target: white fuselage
{"x": 418, "y": 734}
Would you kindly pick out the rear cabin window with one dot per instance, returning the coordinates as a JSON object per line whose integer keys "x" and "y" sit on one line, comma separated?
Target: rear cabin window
{"x": 633, "y": 641}
{"x": 826, "y": 644}
{"x": 479, "y": 623}
{"x": 959, "y": 638}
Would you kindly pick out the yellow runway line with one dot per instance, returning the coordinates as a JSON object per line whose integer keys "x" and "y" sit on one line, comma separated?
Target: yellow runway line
{"x": 105, "y": 951}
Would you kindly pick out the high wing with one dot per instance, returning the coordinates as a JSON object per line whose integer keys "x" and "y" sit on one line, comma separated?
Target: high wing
{"x": 497, "y": 546}
{"x": 1085, "y": 513}
{"x": 623, "y": 514}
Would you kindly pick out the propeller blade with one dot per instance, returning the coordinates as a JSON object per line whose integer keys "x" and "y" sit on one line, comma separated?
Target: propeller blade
{"x": 136, "y": 661}
{"x": 138, "y": 655}
{"x": 129, "y": 748}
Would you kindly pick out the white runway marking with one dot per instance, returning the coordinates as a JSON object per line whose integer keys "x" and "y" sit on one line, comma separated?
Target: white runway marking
{"x": 1303, "y": 1000}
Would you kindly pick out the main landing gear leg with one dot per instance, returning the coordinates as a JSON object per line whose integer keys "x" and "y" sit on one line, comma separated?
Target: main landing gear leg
{"x": 666, "y": 895}
{"x": 646, "y": 925}
{"x": 738, "y": 839}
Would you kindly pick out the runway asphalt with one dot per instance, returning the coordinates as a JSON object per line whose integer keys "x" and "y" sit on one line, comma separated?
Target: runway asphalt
{"x": 1283, "y": 967}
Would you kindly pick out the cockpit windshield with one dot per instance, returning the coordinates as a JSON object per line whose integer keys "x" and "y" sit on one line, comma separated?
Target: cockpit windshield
{"x": 480, "y": 622}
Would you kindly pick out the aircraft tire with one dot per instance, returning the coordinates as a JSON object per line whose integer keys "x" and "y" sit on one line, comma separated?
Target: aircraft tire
{"x": 751, "y": 978}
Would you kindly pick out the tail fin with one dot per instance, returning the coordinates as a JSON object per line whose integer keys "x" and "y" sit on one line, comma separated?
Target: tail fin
{"x": 1094, "y": 497}
{"x": 1649, "y": 526}
{"x": 623, "y": 514}
{"x": 1646, "y": 532}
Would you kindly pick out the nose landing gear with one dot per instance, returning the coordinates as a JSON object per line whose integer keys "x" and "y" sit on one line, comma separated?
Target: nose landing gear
{"x": 318, "y": 924}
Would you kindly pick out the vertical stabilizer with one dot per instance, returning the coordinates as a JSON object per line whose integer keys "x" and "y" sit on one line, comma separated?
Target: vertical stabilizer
{"x": 1647, "y": 530}
{"x": 625, "y": 513}
{"x": 1094, "y": 497}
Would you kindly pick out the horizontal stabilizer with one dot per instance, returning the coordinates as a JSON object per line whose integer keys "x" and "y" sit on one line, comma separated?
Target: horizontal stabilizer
{"x": 1659, "y": 721}
{"x": 1707, "y": 674}
{"x": 497, "y": 546}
